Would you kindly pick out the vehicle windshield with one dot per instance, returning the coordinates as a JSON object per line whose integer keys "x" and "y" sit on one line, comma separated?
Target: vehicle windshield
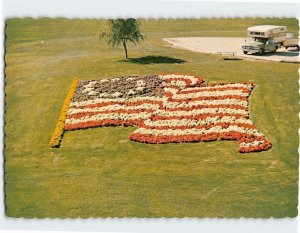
{"x": 258, "y": 39}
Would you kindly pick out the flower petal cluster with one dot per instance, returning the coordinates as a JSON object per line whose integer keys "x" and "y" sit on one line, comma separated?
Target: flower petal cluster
{"x": 59, "y": 129}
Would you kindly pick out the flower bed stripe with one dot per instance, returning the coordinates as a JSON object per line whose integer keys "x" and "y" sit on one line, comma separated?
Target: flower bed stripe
{"x": 210, "y": 110}
{"x": 224, "y": 125}
{"x": 191, "y": 79}
{"x": 154, "y": 139}
{"x": 102, "y": 123}
{"x": 216, "y": 88}
{"x": 176, "y": 104}
{"x": 242, "y": 138}
{"x": 195, "y": 117}
{"x": 197, "y": 131}
{"x": 114, "y": 107}
{"x": 100, "y": 117}
{"x": 237, "y": 97}
{"x": 86, "y": 114}
{"x": 181, "y": 80}
{"x": 195, "y": 122}
{"x": 228, "y": 106}
{"x": 59, "y": 129}
{"x": 181, "y": 104}
{"x": 206, "y": 127}
{"x": 203, "y": 94}
{"x": 106, "y": 102}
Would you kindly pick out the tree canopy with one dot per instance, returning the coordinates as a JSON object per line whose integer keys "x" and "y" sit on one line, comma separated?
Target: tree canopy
{"x": 122, "y": 31}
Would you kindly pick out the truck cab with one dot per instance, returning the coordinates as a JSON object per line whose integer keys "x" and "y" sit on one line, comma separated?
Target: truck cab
{"x": 264, "y": 38}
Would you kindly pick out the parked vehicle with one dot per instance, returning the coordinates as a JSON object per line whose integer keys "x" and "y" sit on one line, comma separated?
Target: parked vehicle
{"x": 264, "y": 38}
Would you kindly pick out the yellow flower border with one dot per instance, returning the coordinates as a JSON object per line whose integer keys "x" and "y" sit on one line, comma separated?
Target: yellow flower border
{"x": 59, "y": 129}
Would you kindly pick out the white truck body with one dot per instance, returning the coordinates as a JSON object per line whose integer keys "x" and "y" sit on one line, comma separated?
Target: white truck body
{"x": 264, "y": 38}
{"x": 278, "y": 33}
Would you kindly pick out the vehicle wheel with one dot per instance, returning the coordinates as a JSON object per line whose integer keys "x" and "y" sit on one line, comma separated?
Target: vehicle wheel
{"x": 245, "y": 52}
{"x": 261, "y": 51}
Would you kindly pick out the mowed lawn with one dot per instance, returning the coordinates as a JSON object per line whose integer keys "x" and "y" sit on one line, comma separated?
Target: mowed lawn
{"x": 99, "y": 172}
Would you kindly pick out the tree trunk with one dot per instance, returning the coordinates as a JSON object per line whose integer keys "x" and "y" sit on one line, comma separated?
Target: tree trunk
{"x": 125, "y": 48}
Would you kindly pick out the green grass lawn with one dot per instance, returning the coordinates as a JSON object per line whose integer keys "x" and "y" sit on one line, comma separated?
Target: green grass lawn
{"x": 99, "y": 172}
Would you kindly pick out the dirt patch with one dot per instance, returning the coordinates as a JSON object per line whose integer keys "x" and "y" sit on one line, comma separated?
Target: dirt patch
{"x": 214, "y": 45}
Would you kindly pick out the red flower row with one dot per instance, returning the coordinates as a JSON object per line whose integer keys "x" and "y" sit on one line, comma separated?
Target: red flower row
{"x": 93, "y": 124}
{"x": 240, "y": 137}
{"x": 195, "y": 117}
{"x": 120, "y": 111}
{"x": 222, "y": 83}
{"x": 202, "y": 126}
{"x": 232, "y": 106}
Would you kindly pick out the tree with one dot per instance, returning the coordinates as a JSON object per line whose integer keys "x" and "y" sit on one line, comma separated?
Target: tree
{"x": 122, "y": 31}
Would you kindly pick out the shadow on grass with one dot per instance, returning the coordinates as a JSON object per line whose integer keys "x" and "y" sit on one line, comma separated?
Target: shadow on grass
{"x": 284, "y": 54}
{"x": 232, "y": 59}
{"x": 154, "y": 60}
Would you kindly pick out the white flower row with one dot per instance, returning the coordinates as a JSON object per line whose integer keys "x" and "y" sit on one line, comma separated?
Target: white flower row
{"x": 193, "y": 131}
{"x": 201, "y": 111}
{"x": 234, "y": 85}
{"x": 110, "y": 116}
{"x": 170, "y": 89}
{"x": 192, "y": 123}
{"x": 176, "y": 76}
{"x": 180, "y": 104}
{"x": 114, "y": 107}
{"x": 117, "y": 100}
{"x": 209, "y": 94}
{"x": 176, "y": 83}
{"x": 249, "y": 144}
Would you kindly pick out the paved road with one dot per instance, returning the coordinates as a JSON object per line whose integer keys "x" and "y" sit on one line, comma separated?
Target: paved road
{"x": 213, "y": 45}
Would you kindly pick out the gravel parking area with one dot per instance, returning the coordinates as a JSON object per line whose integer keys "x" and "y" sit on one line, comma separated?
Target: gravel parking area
{"x": 214, "y": 45}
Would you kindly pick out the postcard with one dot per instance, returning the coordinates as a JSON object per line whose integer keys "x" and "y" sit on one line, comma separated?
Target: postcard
{"x": 151, "y": 118}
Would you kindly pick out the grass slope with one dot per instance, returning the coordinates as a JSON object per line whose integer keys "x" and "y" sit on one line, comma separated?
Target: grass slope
{"x": 99, "y": 172}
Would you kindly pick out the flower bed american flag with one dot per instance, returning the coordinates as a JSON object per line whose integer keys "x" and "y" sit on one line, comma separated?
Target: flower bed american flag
{"x": 168, "y": 108}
